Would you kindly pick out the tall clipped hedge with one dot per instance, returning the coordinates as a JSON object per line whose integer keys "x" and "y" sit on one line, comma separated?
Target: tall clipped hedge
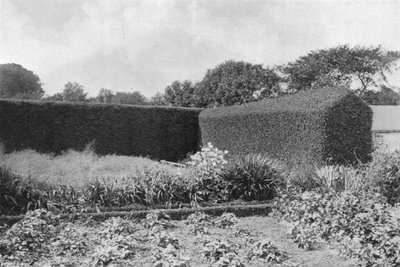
{"x": 328, "y": 125}
{"x": 158, "y": 132}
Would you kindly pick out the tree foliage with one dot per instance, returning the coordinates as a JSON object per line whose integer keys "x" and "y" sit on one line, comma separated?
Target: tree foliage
{"x": 105, "y": 96}
{"x": 129, "y": 98}
{"x": 386, "y": 96}
{"x": 180, "y": 94}
{"x": 158, "y": 100}
{"x": 74, "y": 92}
{"x": 19, "y": 83}
{"x": 341, "y": 65}
{"x": 235, "y": 82}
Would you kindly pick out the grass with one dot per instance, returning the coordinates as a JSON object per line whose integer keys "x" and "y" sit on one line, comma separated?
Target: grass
{"x": 77, "y": 168}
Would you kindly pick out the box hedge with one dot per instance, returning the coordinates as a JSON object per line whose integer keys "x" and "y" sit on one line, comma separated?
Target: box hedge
{"x": 328, "y": 125}
{"x": 158, "y": 132}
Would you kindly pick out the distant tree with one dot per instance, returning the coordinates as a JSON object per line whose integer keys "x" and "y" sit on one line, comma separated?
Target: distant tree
{"x": 56, "y": 97}
{"x": 74, "y": 92}
{"x": 234, "y": 82}
{"x": 105, "y": 96}
{"x": 158, "y": 100}
{"x": 341, "y": 65}
{"x": 19, "y": 83}
{"x": 386, "y": 96}
{"x": 131, "y": 98}
{"x": 180, "y": 94}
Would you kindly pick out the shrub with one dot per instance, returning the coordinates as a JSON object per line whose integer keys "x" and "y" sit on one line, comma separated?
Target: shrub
{"x": 360, "y": 222}
{"x": 329, "y": 125}
{"x": 159, "y": 132}
{"x": 254, "y": 177}
{"x": 384, "y": 173}
{"x": 206, "y": 167}
{"x": 17, "y": 195}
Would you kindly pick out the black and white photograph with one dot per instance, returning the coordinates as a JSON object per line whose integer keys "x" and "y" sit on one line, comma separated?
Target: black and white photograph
{"x": 200, "y": 133}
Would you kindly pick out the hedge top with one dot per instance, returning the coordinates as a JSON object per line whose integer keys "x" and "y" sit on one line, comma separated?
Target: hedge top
{"x": 97, "y": 105}
{"x": 306, "y": 101}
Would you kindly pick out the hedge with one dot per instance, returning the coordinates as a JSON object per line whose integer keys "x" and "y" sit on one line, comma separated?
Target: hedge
{"x": 327, "y": 125}
{"x": 175, "y": 214}
{"x": 158, "y": 132}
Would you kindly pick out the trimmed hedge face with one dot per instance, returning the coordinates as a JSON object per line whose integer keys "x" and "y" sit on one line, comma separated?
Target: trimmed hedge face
{"x": 158, "y": 132}
{"x": 329, "y": 125}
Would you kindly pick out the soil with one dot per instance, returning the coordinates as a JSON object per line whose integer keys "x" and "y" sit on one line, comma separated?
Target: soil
{"x": 190, "y": 245}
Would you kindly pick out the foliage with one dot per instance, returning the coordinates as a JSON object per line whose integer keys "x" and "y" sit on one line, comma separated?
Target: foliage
{"x": 129, "y": 98}
{"x": 340, "y": 66}
{"x": 384, "y": 172}
{"x": 254, "y": 177}
{"x": 214, "y": 250}
{"x": 158, "y": 132}
{"x": 207, "y": 166}
{"x": 209, "y": 161}
{"x": 73, "y": 92}
{"x": 339, "y": 178}
{"x": 17, "y": 195}
{"x": 199, "y": 223}
{"x": 266, "y": 250}
{"x": 19, "y": 83}
{"x": 360, "y": 222}
{"x": 180, "y": 94}
{"x": 313, "y": 127}
{"x": 386, "y": 96}
{"x": 29, "y": 235}
{"x": 157, "y": 100}
{"x": 234, "y": 82}
{"x": 105, "y": 96}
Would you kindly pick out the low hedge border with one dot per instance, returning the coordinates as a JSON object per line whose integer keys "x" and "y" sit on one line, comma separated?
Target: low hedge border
{"x": 175, "y": 214}
{"x": 137, "y": 207}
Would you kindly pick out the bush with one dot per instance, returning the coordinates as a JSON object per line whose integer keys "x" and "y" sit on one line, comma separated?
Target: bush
{"x": 158, "y": 132}
{"x": 17, "y": 195}
{"x": 384, "y": 173}
{"x": 360, "y": 222}
{"x": 254, "y": 177}
{"x": 313, "y": 127}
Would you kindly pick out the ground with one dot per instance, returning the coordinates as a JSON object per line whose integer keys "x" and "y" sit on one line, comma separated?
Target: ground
{"x": 85, "y": 243}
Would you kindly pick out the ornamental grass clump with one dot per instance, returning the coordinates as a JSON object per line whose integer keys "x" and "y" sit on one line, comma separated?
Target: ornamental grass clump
{"x": 339, "y": 178}
{"x": 254, "y": 177}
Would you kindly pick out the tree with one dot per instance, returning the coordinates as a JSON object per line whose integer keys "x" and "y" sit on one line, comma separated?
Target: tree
{"x": 56, "y": 97}
{"x": 74, "y": 92}
{"x": 19, "y": 83}
{"x": 180, "y": 94}
{"x": 131, "y": 98}
{"x": 386, "y": 96}
{"x": 105, "y": 96}
{"x": 234, "y": 82}
{"x": 341, "y": 65}
{"x": 158, "y": 100}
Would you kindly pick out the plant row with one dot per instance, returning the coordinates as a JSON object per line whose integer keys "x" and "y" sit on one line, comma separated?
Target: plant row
{"x": 208, "y": 177}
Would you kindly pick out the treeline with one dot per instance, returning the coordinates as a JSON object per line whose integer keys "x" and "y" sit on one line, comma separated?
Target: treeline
{"x": 238, "y": 82}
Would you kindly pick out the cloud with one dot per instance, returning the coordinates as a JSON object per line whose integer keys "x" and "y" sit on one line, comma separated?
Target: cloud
{"x": 146, "y": 44}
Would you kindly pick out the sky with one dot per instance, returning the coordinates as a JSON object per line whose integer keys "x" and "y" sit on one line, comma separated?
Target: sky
{"x": 145, "y": 45}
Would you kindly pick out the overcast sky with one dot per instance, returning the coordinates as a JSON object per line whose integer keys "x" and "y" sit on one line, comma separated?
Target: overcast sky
{"x": 145, "y": 45}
